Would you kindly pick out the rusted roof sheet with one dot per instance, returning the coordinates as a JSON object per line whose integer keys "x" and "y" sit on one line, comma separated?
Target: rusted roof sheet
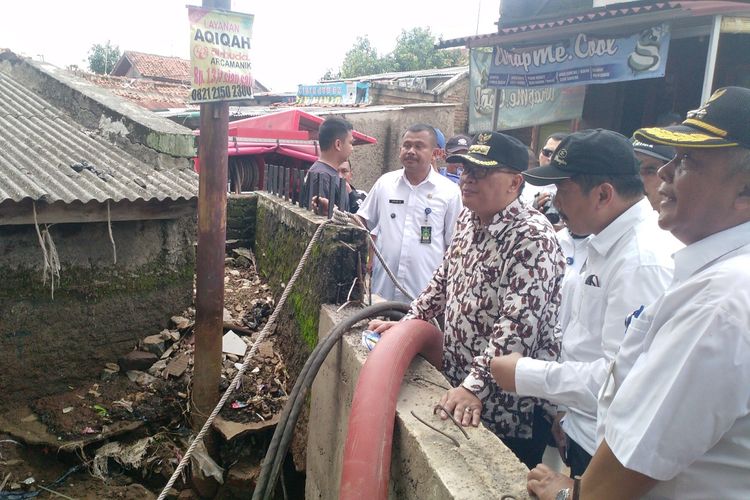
{"x": 46, "y": 156}
{"x": 151, "y": 94}
{"x": 154, "y": 66}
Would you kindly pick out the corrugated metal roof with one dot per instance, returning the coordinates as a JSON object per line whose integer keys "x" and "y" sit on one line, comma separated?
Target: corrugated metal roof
{"x": 396, "y": 75}
{"x": 46, "y": 156}
{"x": 610, "y": 12}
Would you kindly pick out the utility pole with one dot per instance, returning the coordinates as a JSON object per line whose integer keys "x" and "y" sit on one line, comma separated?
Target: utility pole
{"x": 212, "y": 221}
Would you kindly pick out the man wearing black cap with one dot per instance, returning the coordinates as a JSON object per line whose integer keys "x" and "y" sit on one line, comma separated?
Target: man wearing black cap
{"x": 673, "y": 418}
{"x": 458, "y": 144}
{"x": 498, "y": 287}
{"x": 599, "y": 192}
{"x": 650, "y": 158}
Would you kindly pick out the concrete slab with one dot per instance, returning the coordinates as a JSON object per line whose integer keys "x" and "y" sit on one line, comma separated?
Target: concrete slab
{"x": 425, "y": 464}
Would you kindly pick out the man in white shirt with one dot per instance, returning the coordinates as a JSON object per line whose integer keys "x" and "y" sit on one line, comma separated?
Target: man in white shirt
{"x": 674, "y": 413}
{"x": 599, "y": 192}
{"x": 413, "y": 211}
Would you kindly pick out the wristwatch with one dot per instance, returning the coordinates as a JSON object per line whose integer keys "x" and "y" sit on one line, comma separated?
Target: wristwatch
{"x": 563, "y": 494}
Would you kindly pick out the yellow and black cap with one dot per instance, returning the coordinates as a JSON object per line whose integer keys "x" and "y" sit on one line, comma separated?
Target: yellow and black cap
{"x": 588, "y": 152}
{"x": 493, "y": 149}
{"x": 722, "y": 122}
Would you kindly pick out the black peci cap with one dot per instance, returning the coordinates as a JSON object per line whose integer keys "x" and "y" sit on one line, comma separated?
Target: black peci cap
{"x": 722, "y": 122}
{"x": 493, "y": 149}
{"x": 593, "y": 152}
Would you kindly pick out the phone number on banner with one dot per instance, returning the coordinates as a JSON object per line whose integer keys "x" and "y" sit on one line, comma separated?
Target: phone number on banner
{"x": 220, "y": 93}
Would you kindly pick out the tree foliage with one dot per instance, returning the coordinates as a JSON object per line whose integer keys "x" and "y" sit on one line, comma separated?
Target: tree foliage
{"x": 103, "y": 57}
{"x": 415, "y": 49}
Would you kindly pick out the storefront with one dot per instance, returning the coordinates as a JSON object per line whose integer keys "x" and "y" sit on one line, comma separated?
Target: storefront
{"x": 619, "y": 66}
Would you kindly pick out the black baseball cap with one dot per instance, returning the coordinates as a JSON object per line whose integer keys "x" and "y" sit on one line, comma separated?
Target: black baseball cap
{"x": 594, "y": 152}
{"x": 658, "y": 151}
{"x": 458, "y": 143}
{"x": 493, "y": 149}
{"x": 722, "y": 122}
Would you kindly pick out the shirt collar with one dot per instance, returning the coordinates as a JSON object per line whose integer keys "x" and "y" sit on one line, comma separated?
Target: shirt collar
{"x": 429, "y": 179}
{"x": 501, "y": 219}
{"x": 701, "y": 253}
{"x": 607, "y": 237}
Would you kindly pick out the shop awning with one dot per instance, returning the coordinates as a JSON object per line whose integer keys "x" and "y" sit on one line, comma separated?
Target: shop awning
{"x": 601, "y": 18}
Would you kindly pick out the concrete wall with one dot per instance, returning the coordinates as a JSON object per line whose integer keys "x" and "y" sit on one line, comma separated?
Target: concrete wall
{"x": 425, "y": 465}
{"x": 282, "y": 233}
{"x": 388, "y": 126}
{"x": 458, "y": 94}
{"x": 241, "y": 212}
{"x": 100, "y": 309}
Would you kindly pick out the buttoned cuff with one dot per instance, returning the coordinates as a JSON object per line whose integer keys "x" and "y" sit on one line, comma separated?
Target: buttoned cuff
{"x": 531, "y": 375}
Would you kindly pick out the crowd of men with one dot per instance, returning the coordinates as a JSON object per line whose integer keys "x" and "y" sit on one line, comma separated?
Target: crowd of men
{"x": 621, "y": 334}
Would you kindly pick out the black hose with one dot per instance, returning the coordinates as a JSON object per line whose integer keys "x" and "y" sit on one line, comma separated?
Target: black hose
{"x": 282, "y": 436}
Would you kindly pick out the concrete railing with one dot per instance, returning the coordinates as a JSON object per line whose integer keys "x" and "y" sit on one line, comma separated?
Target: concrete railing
{"x": 425, "y": 464}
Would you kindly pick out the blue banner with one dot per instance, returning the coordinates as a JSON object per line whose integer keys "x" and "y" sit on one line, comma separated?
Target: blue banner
{"x": 516, "y": 108}
{"x": 582, "y": 59}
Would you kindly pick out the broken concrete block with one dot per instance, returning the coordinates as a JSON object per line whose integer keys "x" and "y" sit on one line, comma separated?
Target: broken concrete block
{"x": 177, "y": 367}
{"x": 154, "y": 344}
{"x": 140, "y": 378}
{"x": 232, "y": 344}
{"x": 157, "y": 367}
{"x": 180, "y": 322}
{"x": 137, "y": 360}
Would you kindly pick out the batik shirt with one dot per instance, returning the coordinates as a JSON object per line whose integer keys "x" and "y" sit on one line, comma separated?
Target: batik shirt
{"x": 499, "y": 288}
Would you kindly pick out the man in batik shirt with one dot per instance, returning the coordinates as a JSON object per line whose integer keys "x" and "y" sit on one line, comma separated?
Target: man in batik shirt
{"x": 499, "y": 288}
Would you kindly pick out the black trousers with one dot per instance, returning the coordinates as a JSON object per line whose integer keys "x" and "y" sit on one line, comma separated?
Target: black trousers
{"x": 530, "y": 451}
{"x": 578, "y": 458}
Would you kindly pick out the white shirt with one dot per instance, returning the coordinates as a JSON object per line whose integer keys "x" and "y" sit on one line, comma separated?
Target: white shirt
{"x": 397, "y": 212}
{"x": 678, "y": 394}
{"x": 630, "y": 261}
{"x": 575, "y": 251}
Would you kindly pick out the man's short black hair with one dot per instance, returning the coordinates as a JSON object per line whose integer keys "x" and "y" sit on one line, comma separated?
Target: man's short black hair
{"x": 557, "y": 136}
{"x": 627, "y": 186}
{"x": 423, "y": 127}
{"x": 331, "y": 129}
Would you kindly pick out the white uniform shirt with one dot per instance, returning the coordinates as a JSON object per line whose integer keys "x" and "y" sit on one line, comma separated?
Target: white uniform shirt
{"x": 678, "y": 394}
{"x": 397, "y": 211}
{"x": 629, "y": 264}
{"x": 575, "y": 251}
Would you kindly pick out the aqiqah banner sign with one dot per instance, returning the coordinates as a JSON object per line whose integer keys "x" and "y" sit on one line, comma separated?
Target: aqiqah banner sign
{"x": 517, "y": 108}
{"x": 582, "y": 59}
{"x": 220, "y": 55}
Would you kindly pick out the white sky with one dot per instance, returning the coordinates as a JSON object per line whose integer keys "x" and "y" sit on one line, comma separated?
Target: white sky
{"x": 294, "y": 41}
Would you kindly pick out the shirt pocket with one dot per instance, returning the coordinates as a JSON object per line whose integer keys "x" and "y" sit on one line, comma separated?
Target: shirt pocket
{"x": 591, "y": 307}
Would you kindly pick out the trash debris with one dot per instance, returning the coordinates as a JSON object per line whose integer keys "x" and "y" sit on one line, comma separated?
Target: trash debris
{"x": 101, "y": 411}
{"x": 203, "y": 461}
{"x": 231, "y": 343}
{"x": 236, "y": 405}
{"x": 67, "y": 409}
{"x": 370, "y": 339}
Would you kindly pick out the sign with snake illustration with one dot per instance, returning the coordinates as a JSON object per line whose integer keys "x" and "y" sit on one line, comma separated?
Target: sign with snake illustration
{"x": 582, "y": 59}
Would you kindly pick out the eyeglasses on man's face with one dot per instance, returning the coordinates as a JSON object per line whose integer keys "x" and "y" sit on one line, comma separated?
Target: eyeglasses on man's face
{"x": 547, "y": 153}
{"x": 478, "y": 172}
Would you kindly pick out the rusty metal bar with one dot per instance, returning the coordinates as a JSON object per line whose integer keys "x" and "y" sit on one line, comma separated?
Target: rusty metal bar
{"x": 317, "y": 189}
{"x": 286, "y": 184}
{"x": 342, "y": 192}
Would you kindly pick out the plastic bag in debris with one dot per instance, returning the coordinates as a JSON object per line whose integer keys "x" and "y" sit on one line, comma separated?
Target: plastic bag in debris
{"x": 129, "y": 456}
{"x": 369, "y": 339}
{"x": 203, "y": 461}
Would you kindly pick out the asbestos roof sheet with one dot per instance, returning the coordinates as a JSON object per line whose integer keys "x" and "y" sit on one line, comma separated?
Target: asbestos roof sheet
{"x": 46, "y": 156}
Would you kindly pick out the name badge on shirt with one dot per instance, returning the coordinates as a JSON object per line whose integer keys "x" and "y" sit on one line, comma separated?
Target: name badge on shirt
{"x": 425, "y": 234}
{"x": 396, "y": 202}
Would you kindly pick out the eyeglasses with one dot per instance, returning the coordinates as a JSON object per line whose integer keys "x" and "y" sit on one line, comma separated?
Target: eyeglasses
{"x": 547, "y": 153}
{"x": 478, "y": 173}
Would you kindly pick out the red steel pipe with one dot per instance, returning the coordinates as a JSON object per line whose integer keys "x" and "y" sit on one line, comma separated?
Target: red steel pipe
{"x": 367, "y": 453}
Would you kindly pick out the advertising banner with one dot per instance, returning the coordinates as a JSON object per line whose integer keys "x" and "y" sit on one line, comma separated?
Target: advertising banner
{"x": 517, "y": 108}
{"x": 582, "y": 59}
{"x": 220, "y": 55}
{"x": 340, "y": 93}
